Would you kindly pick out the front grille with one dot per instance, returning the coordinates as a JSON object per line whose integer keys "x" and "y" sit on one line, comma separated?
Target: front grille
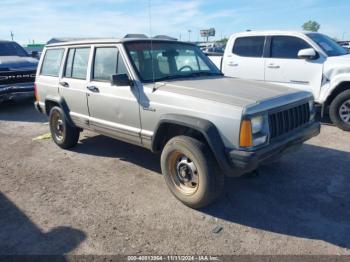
{"x": 16, "y": 77}
{"x": 287, "y": 120}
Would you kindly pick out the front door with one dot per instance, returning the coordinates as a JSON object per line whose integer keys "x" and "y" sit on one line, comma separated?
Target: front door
{"x": 284, "y": 67}
{"x": 114, "y": 110}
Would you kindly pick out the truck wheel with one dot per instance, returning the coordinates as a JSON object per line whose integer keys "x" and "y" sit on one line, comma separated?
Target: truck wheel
{"x": 63, "y": 134}
{"x": 191, "y": 172}
{"x": 339, "y": 110}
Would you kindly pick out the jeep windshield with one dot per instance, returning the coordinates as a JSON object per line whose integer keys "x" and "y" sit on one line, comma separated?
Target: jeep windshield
{"x": 328, "y": 45}
{"x": 11, "y": 49}
{"x": 161, "y": 60}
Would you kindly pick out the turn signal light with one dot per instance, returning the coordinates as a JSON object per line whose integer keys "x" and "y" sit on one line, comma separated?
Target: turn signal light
{"x": 246, "y": 138}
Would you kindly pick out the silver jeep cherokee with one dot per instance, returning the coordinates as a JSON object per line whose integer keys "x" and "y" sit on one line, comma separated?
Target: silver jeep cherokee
{"x": 167, "y": 96}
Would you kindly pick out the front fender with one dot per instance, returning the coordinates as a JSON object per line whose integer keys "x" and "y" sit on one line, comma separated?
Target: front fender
{"x": 334, "y": 82}
{"x": 206, "y": 128}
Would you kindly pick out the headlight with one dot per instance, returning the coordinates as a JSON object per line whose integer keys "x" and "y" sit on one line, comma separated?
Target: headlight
{"x": 254, "y": 131}
{"x": 257, "y": 124}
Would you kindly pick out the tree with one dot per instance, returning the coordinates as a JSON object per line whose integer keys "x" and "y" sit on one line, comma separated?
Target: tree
{"x": 312, "y": 26}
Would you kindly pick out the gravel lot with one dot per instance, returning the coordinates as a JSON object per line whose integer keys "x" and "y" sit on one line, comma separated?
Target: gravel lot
{"x": 108, "y": 197}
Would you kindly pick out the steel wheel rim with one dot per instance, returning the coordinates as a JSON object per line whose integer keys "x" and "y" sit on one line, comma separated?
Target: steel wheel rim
{"x": 183, "y": 173}
{"x": 344, "y": 111}
{"x": 57, "y": 126}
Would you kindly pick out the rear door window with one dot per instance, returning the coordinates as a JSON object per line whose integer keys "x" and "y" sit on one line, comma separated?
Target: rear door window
{"x": 52, "y": 62}
{"x": 287, "y": 46}
{"x": 252, "y": 46}
{"x": 77, "y": 63}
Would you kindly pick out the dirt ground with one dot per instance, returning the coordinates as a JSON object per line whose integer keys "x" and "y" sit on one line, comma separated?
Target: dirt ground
{"x": 108, "y": 197}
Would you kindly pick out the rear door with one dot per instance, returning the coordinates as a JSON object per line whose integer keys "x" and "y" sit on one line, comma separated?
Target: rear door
{"x": 246, "y": 58}
{"x": 114, "y": 110}
{"x": 73, "y": 83}
{"x": 284, "y": 67}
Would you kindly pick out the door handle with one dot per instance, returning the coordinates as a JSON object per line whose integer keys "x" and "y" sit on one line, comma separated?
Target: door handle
{"x": 273, "y": 66}
{"x": 232, "y": 64}
{"x": 93, "y": 89}
{"x": 64, "y": 84}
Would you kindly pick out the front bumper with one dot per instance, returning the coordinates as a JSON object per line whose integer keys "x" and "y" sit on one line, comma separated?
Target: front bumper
{"x": 247, "y": 161}
{"x": 22, "y": 90}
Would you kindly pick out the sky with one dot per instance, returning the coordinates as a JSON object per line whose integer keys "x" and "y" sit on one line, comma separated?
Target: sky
{"x": 41, "y": 20}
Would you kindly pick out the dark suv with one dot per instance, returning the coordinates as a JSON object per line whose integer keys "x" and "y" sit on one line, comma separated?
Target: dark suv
{"x": 17, "y": 71}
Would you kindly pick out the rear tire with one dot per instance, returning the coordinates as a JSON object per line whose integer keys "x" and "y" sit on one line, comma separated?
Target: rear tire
{"x": 339, "y": 110}
{"x": 191, "y": 172}
{"x": 63, "y": 134}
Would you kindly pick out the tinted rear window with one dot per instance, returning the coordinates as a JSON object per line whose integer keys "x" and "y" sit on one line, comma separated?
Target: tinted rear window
{"x": 252, "y": 46}
{"x": 52, "y": 62}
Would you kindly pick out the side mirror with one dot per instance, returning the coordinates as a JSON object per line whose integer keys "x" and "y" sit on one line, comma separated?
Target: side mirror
{"x": 35, "y": 54}
{"x": 121, "y": 80}
{"x": 308, "y": 53}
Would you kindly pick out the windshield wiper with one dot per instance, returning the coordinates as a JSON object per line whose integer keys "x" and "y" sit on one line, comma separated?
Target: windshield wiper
{"x": 194, "y": 74}
{"x": 169, "y": 77}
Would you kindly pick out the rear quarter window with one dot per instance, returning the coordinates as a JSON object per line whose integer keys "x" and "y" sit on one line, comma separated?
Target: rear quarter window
{"x": 52, "y": 62}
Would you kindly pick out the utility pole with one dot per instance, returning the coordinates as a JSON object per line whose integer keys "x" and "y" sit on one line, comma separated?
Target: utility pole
{"x": 189, "y": 35}
{"x": 11, "y": 35}
{"x": 343, "y": 35}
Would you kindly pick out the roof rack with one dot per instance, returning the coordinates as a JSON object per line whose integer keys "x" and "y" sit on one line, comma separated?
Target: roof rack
{"x": 165, "y": 37}
{"x": 70, "y": 39}
{"x": 135, "y": 36}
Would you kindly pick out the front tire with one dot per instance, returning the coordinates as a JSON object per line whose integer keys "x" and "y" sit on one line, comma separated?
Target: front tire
{"x": 339, "y": 111}
{"x": 191, "y": 172}
{"x": 63, "y": 134}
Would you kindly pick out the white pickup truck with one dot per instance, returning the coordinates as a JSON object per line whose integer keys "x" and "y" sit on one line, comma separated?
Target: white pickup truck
{"x": 308, "y": 61}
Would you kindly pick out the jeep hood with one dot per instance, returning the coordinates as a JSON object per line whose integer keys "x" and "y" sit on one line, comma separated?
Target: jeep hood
{"x": 226, "y": 90}
{"x": 18, "y": 62}
{"x": 336, "y": 65}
